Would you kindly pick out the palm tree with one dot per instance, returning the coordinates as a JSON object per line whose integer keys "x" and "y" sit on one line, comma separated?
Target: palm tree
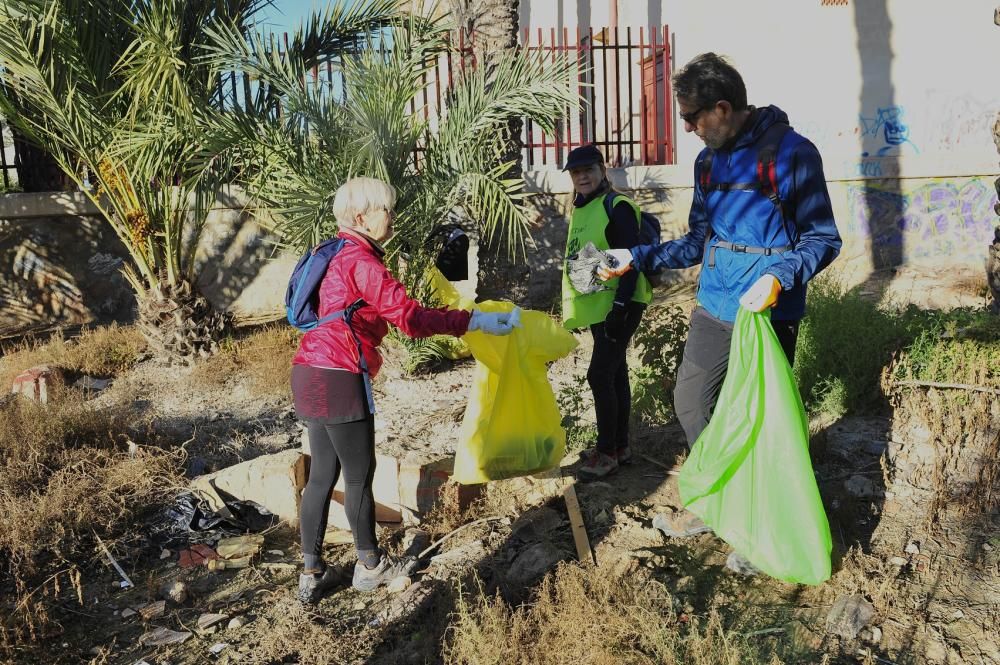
{"x": 119, "y": 93}
{"x": 371, "y": 121}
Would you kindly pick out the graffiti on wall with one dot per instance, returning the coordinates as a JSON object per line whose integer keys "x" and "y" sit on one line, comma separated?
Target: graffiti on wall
{"x": 888, "y": 130}
{"x": 944, "y": 220}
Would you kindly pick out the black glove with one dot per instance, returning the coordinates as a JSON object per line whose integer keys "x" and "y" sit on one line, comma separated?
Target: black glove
{"x": 614, "y": 323}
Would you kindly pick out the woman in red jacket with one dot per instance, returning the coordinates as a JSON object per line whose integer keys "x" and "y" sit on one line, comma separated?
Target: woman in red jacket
{"x": 329, "y": 388}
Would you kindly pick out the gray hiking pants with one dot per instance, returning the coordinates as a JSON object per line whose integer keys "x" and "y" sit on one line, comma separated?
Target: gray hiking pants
{"x": 703, "y": 367}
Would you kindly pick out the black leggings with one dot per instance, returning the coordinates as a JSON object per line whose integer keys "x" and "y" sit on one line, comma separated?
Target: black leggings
{"x": 351, "y": 447}
{"x": 608, "y": 379}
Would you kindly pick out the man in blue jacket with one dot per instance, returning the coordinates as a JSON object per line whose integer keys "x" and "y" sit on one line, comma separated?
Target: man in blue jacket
{"x": 761, "y": 226}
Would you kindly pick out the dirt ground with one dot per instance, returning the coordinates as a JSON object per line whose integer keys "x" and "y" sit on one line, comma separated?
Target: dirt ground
{"x": 932, "y": 602}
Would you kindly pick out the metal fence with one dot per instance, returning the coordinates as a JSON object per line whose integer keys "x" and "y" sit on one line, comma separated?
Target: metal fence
{"x": 624, "y": 80}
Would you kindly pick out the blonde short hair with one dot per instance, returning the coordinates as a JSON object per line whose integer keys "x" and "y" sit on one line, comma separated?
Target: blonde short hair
{"x": 358, "y": 196}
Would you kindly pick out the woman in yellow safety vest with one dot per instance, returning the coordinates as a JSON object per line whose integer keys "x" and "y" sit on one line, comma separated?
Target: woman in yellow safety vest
{"x": 613, "y": 315}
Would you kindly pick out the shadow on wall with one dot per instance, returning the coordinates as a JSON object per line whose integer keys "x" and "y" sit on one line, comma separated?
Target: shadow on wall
{"x": 885, "y": 138}
{"x": 61, "y": 271}
{"x": 66, "y": 270}
{"x": 234, "y": 263}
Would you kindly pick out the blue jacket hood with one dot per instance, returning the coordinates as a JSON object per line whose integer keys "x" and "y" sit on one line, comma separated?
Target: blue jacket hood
{"x": 764, "y": 118}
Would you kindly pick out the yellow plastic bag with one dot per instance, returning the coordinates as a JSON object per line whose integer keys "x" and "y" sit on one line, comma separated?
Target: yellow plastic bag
{"x": 512, "y": 423}
{"x": 445, "y": 293}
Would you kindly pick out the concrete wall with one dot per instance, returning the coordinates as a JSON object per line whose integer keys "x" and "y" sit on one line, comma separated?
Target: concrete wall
{"x": 60, "y": 263}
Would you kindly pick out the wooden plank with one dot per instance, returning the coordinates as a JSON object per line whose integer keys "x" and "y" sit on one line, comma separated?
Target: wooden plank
{"x": 583, "y": 551}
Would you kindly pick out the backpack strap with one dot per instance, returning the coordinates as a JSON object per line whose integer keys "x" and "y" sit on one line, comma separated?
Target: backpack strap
{"x": 767, "y": 166}
{"x": 362, "y": 362}
{"x": 704, "y": 181}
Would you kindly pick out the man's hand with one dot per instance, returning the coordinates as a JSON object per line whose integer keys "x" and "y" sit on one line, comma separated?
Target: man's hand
{"x": 614, "y": 322}
{"x": 622, "y": 264}
{"x": 763, "y": 294}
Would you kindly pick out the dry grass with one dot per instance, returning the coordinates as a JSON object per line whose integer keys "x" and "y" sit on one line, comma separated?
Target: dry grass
{"x": 263, "y": 358}
{"x": 586, "y": 615}
{"x": 66, "y": 473}
{"x": 295, "y": 634}
{"x": 101, "y": 352}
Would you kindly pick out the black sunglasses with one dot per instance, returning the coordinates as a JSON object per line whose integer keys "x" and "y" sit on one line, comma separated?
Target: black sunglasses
{"x": 691, "y": 118}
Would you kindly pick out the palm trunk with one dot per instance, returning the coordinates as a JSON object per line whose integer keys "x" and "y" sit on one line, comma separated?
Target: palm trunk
{"x": 502, "y": 275}
{"x": 179, "y": 324}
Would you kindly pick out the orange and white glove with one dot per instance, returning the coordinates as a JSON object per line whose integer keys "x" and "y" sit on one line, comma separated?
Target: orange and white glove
{"x": 623, "y": 263}
{"x": 762, "y": 295}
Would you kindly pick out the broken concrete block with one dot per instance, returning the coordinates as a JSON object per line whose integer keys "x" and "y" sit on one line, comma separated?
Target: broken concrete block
{"x": 153, "y": 610}
{"x": 163, "y": 637}
{"x": 240, "y": 546}
{"x": 37, "y": 383}
{"x": 209, "y": 620}
{"x": 264, "y": 480}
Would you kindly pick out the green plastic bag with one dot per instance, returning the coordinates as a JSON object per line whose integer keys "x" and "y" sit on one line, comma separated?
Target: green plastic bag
{"x": 749, "y": 476}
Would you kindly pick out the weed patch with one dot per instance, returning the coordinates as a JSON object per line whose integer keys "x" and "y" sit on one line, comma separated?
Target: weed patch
{"x": 585, "y": 615}
{"x": 67, "y": 472}
{"x": 263, "y": 358}
{"x": 102, "y": 352}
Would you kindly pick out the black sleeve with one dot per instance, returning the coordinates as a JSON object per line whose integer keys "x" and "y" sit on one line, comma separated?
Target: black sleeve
{"x": 622, "y": 232}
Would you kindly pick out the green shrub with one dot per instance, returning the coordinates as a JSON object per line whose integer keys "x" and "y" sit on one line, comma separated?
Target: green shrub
{"x": 660, "y": 344}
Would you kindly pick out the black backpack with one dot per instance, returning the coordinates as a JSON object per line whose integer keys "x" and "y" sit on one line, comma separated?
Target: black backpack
{"x": 649, "y": 233}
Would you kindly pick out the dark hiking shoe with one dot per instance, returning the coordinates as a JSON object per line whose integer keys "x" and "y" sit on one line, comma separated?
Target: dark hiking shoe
{"x": 313, "y": 586}
{"x": 624, "y": 454}
{"x": 389, "y": 568}
{"x": 598, "y": 465}
{"x": 680, "y": 525}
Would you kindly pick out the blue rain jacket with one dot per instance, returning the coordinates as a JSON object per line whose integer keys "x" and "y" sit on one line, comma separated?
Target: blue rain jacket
{"x": 748, "y": 217}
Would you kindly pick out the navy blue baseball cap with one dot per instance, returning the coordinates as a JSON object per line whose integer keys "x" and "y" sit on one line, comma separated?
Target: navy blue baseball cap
{"x": 585, "y": 155}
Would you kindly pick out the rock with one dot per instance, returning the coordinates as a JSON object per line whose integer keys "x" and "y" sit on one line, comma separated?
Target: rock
{"x": 236, "y": 622}
{"x": 740, "y": 565}
{"x": 91, "y": 385}
{"x": 958, "y": 614}
{"x": 216, "y": 649}
{"x": 898, "y": 561}
{"x": 913, "y": 548}
{"x": 279, "y": 553}
{"x": 876, "y": 447}
{"x": 534, "y": 562}
{"x": 128, "y": 612}
{"x": 415, "y": 541}
{"x": 876, "y": 634}
{"x": 209, "y": 620}
{"x": 467, "y": 554}
{"x": 849, "y": 615}
{"x": 537, "y": 523}
{"x": 935, "y": 651}
{"x": 399, "y": 585}
{"x": 153, "y": 610}
{"x": 360, "y": 605}
{"x": 175, "y": 591}
{"x": 165, "y": 554}
{"x": 163, "y": 636}
{"x": 860, "y": 487}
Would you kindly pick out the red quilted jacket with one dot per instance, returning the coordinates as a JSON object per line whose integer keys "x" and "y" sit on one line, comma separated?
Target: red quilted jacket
{"x": 357, "y": 272}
